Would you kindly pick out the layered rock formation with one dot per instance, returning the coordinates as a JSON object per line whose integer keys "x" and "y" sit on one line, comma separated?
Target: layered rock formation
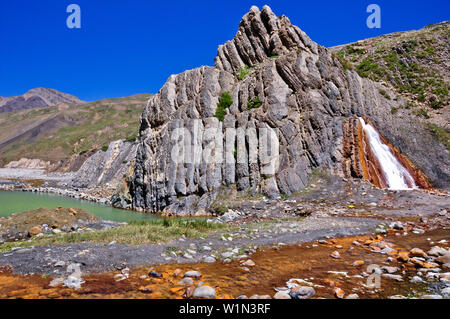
{"x": 282, "y": 84}
{"x": 108, "y": 167}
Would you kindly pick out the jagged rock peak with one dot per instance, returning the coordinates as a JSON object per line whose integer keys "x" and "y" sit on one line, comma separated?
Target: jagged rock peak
{"x": 261, "y": 35}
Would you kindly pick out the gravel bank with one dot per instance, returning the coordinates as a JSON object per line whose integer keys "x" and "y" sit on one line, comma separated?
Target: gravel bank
{"x": 98, "y": 257}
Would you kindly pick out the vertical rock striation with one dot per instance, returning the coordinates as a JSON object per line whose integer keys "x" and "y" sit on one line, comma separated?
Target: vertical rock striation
{"x": 106, "y": 167}
{"x": 282, "y": 85}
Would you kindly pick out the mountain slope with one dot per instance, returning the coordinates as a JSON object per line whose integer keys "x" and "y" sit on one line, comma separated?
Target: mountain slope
{"x": 59, "y": 132}
{"x": 413, "y": 64}
{"x": 36, "y": 98}
{"x": 270, "y": 80}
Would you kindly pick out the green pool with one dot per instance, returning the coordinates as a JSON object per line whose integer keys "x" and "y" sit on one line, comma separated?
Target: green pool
{"x": 16, "y": 202}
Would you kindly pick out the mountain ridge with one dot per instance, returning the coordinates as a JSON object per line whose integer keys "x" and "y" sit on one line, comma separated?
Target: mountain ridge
{"x": 36, "y": 98}
{"x": 270, "y": 76}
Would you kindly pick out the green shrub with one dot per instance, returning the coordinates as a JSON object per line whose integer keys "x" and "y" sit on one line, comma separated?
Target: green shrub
{"x": 436, "y": 104}
{"x": 442, "y": 134}
{"x": 225, "y": 102}
{"x": 368, "y": 68}
{"x": 384, "y": 93}
{"x": 423, "y": 113}
{"x": 104, "y": 148}
{"x": 253, "y": 104}
{"x": 131, "y": 138}
{"x": 345, "y": 64}
{"x": 244, "y": 72}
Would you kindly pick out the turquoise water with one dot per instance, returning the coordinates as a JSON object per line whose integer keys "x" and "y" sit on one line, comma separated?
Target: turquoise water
{"x": 16, "y": 202}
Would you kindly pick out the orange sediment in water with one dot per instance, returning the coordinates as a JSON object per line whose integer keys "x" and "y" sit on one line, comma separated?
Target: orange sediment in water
{"x": 273, "y": 267}
{"x": 359, "y": 160}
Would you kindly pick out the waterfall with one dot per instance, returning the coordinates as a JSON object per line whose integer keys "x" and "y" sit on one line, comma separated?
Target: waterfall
{"x": 397, "y": 177}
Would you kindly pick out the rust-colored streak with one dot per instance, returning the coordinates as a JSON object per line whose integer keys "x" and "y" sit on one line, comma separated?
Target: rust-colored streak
{"x": 272, "y": 269}
{"x": 359, "y": 160}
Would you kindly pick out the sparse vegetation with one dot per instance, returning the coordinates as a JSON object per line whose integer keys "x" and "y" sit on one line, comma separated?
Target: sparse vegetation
{"x": 135, "y": 233}
{"x": 384, "y": 93}
{"x": 253, "y": 104}
{"x": 423, "y": 113}
{"x": 132, "y": 138}
{"x": 410, "y": 61}
{"x": 442, "y": 134}
{"x": 244, "y": 72}
{"x": 225, "y": 102}
{"x": 344, "y": 62}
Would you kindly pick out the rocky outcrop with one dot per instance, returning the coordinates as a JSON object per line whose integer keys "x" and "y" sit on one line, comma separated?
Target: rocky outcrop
{"x": 290, "y": 97}
{"x": 36, "y": 98}
{"x": 108, "y": 167}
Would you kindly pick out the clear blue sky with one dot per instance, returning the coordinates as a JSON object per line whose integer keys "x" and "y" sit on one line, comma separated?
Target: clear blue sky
{"x": 129, "y": 47}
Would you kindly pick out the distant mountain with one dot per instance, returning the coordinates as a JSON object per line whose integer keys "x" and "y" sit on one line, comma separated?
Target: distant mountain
{"x": 61, "y": 133}
{"x": 36, "y": 98}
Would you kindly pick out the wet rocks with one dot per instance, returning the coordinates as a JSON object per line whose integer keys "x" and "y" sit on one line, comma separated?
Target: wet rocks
{"x": 35, "y": 230}
{"x": 437, "y": 251}
{"x": 389, "y": 269}
{"x": 358, "y": 263}
{"x": 339, "y": 293}
{"x": 177, "y": 272}
{"x": 446, "y": 292}
{"x": 193, "y": 274}
{"x": 154, "y": 274}
{"x": 335, "y": 254}
{"x": 209, "y": 259}
{"x": 282, "y": 295}
{"x": 249, "y": 263}
{"x": 186, "y": 281}
{"x": 302, "y": 292}
{"x": 444, "y": 259}
{"x": 431, "y": 297}
{"x": 204, "y": 292}
{"x": 260, "y": 297}
{"x": 393, "y": 277}
{"x": 145, "y": 289}
{"x": 417, "y": 252}
{"x": 417, "y": 280}
{"x": 396, "y": 225}
{"x": 403, "y": 256}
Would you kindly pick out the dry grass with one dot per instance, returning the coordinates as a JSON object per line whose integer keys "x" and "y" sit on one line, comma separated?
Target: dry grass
{"x": 135, "y": 233}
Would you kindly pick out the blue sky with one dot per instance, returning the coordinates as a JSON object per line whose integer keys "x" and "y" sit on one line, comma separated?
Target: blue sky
{"x": 129, "y": 47}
